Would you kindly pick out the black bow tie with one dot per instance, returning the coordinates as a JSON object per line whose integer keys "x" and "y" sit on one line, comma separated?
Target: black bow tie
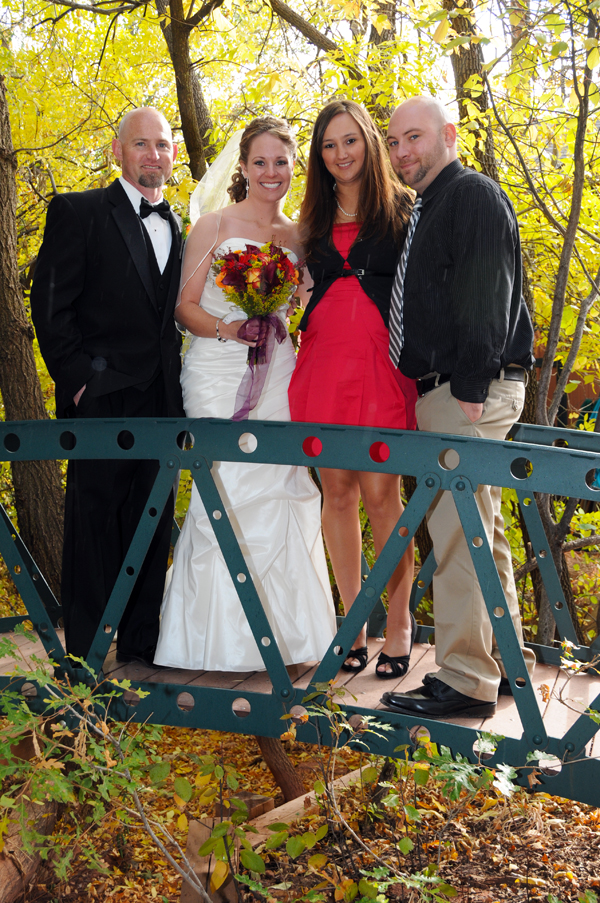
{"x": 162, "y": 209}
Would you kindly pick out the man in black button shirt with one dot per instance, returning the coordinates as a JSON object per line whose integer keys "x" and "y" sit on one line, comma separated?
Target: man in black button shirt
{"x": 102, "y": 300}
{"x": 467, "y": 339}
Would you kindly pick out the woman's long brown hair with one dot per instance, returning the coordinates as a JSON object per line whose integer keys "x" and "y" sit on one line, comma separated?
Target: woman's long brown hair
{"x": 383, "y": 202}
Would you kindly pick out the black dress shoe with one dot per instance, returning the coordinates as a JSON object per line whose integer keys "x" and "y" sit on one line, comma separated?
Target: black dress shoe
{"x": 504, "y": 689}
{"x": 132, "y": 658}
{"x": 436, "y": 699}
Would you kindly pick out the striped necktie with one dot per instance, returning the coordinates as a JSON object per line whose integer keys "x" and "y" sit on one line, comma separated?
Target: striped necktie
{"x": 397, "y": 302}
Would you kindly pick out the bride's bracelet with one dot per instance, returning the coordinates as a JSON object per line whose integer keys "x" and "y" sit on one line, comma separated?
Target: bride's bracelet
{"x": 219, "y": 336}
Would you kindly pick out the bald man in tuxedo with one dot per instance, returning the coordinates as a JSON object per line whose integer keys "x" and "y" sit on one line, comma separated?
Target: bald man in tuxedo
{"x": 102, "y": 301}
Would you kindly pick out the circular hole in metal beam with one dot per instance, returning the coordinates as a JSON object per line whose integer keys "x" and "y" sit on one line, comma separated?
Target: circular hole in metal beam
{"x": 186, "y": 440}
{"x": 265, "y": 641}
{"x": 68, "y": 440}
{"x": 558, "y": 605}
{"x": 338, "y": 650}
{"x": 484, "y": 748}
{"x": 550, "y": 765}
{"x": 248, "y": 443}
{"x": 592, "y": 477}
{"x": 419, "y": 734}
{"x": 12, "y": 443}
{"x": 521, "y": 682}
{"x": 125, "y": 440}
{"x": 299, "y": 714}
{"x": 107, "y": 628}
{"x": 477, "y": 542}
{"x": 498, "y": 612}
{"x": 185, "y": 702}
{"x": 131, "y": 698}
{"x": 29, "y": 690}
{"x": 403, "y": 531}
{"x": 448, "y": 459}
{"x": 521, "y": 468}
{"x": 241, "y": 707}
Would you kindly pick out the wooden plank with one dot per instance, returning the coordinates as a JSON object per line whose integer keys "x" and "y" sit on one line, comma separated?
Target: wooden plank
{"x": 223, "y": 680}
{"x": 507, "y": 721}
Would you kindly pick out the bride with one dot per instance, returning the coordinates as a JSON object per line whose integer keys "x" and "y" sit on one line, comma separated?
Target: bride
{"x": 274, "y": 509}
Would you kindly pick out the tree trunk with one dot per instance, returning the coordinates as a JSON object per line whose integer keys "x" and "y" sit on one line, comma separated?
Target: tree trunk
{"x": 17, "y": 868}
{"x": 196, "y": 121}
{"x": 37, "y": 484}
{"x": 182, "y": 65}
{"x": 281, "y": 767}
{"x": 467, "y": 61}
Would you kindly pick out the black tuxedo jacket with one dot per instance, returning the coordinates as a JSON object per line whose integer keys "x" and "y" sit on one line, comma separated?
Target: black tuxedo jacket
{"x": 98, "y": 317}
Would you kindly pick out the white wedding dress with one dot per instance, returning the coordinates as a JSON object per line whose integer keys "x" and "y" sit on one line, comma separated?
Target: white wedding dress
{"x": 275, "y": 511}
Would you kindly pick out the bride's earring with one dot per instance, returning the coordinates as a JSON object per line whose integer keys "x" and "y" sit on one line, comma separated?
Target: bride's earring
{"x": 247, "y": 186}
{"x": 334, "y": 187}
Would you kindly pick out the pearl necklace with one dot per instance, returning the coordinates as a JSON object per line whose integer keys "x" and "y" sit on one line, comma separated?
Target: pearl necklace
{"x": 349, "y": 215}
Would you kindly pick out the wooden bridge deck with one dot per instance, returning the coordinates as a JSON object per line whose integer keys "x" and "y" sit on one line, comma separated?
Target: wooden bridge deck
{"x": 366, "y": 687}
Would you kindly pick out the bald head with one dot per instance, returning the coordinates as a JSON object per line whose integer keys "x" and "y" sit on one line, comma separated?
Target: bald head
{"x": 137, "y": 118}
{"x": 145, "y": 150}
{"x": 421, "y": 140}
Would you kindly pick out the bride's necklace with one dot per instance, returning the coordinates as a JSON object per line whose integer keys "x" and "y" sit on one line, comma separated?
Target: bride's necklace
{"x": 349, "y": 215}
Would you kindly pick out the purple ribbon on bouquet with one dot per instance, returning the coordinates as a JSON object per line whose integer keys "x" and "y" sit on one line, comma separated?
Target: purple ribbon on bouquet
{"x": 263, "y": 330}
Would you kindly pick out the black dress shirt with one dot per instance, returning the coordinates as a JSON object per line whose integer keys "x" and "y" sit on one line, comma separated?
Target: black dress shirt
{"x": 372, "y": 260}
{"x": 464, "y": 313}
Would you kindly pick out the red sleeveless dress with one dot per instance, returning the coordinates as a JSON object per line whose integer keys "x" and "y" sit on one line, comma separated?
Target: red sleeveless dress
{"x": 343, "y": 373}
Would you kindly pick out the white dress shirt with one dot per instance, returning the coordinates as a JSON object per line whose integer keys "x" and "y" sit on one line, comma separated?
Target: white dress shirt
{"x": 157, "y": 228}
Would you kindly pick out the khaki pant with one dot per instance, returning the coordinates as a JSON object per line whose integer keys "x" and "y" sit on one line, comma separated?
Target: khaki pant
{"x": 464, "y": 642}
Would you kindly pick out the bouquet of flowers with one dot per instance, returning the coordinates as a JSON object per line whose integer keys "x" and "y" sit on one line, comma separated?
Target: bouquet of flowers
{"x": 258, "y": 280}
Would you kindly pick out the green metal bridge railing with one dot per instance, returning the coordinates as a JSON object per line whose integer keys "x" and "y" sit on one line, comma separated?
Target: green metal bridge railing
{"x": 527, "y": 463}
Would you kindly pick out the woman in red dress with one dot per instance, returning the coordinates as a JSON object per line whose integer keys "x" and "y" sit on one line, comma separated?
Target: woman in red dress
{"x": 352, "y": 222}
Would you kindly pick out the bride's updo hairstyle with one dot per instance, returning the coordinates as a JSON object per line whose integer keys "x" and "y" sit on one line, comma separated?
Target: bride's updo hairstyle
{"x": 383, "y": 201}
{"x": 279, "y": 128}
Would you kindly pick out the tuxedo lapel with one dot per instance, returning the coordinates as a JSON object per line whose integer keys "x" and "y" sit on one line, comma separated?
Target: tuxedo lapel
{"x": 176, "y": 268}
{"x": 130, "y": 227}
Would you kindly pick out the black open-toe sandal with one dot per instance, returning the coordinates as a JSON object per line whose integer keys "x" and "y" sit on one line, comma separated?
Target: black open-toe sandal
{"x": 362, "y": 654}
{"x": 399, "y": 663}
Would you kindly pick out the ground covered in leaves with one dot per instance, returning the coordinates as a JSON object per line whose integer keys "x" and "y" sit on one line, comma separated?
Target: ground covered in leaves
{"x": 486, "y": 847}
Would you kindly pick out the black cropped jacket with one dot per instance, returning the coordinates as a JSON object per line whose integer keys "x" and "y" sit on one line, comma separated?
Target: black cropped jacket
{"x": 372, "y": 260}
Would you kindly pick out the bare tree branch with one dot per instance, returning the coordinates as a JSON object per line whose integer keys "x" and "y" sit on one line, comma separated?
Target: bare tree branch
{"x": 569, "y": 364}
{"x": 312, "y": 34}
{"x": 573, "y": 546}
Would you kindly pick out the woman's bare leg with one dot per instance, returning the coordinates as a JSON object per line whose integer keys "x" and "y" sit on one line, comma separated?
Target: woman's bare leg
{"x": 381, "y": 499}
{"x": 341, "y": 528}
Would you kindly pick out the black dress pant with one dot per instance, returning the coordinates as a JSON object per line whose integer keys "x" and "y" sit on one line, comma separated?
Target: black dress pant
{"x": 103, "y": 505}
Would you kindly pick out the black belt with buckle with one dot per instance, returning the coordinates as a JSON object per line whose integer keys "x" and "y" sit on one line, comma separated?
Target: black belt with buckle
{"x": 428, "y": 383}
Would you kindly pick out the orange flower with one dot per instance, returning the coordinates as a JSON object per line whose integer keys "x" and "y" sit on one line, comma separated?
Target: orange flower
{"x": 253, "y": 276}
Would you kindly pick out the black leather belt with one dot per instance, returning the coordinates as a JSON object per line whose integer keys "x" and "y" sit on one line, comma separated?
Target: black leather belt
{"x": 428, "y": 383}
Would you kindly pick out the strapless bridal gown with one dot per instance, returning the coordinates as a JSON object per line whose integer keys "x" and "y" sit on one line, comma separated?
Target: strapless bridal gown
{"x": 275, "y": 511}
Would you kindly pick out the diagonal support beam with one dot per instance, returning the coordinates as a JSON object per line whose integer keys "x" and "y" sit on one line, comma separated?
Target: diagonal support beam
{"x": 242, "y": 579}
{"x": 132, "y": 564}
{"x": 42, "y": 608}
{"x": 376, "y": 582}
{"x": 493, "y": 594}
{"x": 546, "y": 566}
